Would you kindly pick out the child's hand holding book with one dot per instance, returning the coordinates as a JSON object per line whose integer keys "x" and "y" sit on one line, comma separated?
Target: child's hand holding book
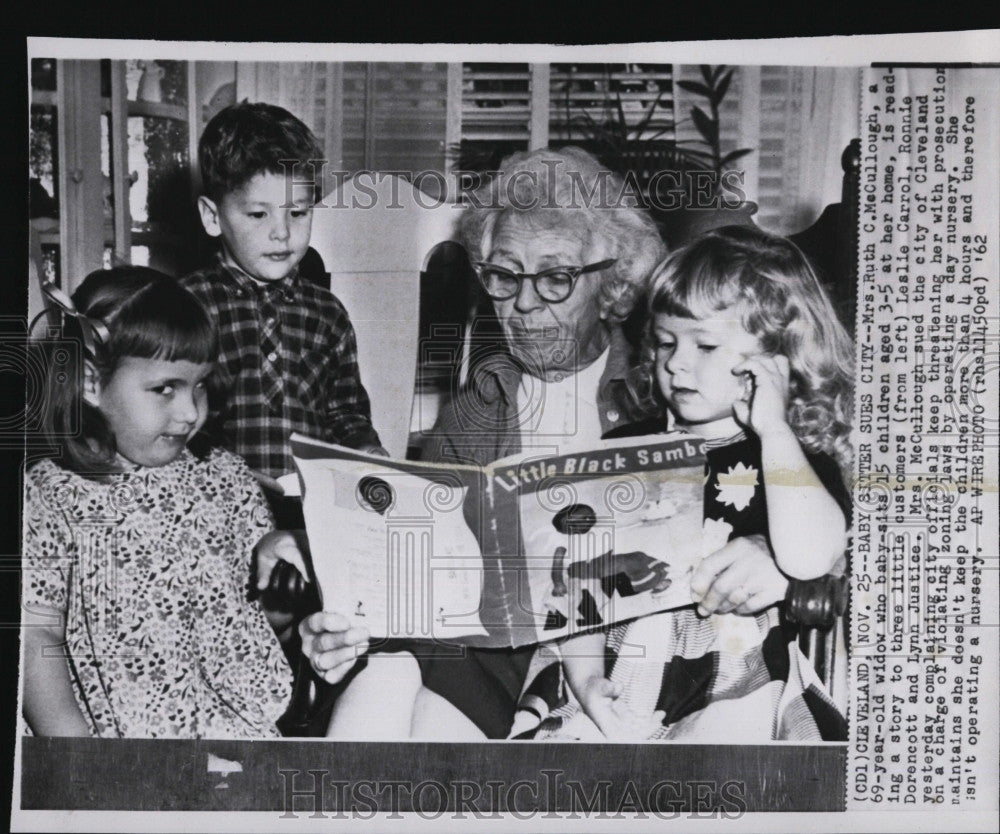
{"x": 274, "y": 547}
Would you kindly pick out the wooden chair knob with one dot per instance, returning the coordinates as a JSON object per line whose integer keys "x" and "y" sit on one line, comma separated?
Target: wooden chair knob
{"x": 816, "y": 603}
{"x": 289, "y": 590}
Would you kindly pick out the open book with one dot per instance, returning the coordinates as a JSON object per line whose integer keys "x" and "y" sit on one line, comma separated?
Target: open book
{"x": 521, "y": 551}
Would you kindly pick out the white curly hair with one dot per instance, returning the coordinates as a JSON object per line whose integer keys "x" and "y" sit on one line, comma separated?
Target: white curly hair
{"x": 570, "y": 188}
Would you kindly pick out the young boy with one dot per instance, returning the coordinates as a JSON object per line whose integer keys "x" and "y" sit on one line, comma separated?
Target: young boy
{"x": 287, "y": 344}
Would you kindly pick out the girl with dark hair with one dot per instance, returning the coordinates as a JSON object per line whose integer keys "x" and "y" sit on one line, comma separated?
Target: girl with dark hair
{"x": 137, "y": 551}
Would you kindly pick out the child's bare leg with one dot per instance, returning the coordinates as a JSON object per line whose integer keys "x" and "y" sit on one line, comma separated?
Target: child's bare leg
{"x": 378, "y": 705}
{"x": 436, "y": 719}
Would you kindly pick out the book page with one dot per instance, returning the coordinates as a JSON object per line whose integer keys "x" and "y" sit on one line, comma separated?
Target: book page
{"x": 391, "y": 549}
{"x": 608, "y": 534}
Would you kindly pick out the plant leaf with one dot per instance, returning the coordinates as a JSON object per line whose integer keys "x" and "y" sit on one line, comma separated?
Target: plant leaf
{"x": 696, "y": 152}
{"x": 648, "y": 116}
{"x": 723, "y": 86}
{"x": 701, "y": 157}
{"x": 695, "y": 87}
{"x": 593, "y": 131}
{"x": 695, "y": 160}
{"x": 706, "y": 127}
{"x": 622, "y": 121}
{"x": 660, "y": 132}
{"x": 721, "y": 68}
{"x": 734, "y": 155}
{"x": 707, "y": 74}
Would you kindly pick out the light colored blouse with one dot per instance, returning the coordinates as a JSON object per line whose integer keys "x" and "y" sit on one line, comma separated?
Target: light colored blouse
{"x": 561, "y": 413}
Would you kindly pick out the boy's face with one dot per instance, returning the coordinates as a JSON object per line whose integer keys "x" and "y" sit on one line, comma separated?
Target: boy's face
{"x": 265, "y": 225}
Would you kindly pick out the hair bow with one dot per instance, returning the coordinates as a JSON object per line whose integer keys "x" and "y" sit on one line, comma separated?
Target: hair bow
{"x": 94, "y": 331}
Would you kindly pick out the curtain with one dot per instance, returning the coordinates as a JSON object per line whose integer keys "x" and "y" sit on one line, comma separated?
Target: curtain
{"x": 312, "y": 91}
{"x": 808, "y": 115}
{"x": 375, "y": 116}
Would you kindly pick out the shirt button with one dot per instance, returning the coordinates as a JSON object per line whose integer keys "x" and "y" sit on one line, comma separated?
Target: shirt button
{"x": 272, "y": 356}
{"x": 613, "y": 415}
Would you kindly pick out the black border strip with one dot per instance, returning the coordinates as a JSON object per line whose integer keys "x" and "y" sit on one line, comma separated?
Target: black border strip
{"x": 336, "y": 779}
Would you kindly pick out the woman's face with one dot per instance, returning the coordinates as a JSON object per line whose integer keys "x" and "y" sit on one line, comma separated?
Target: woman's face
{"x": 552, "y": 340}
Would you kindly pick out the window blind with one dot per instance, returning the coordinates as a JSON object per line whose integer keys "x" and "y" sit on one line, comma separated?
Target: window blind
{"x": 584, "y": 95}
{"x": 392, "y": 115}
{"x": 408, "y": 113}
{"x": 496, "y": 103}
{"x": 778, "y": 135}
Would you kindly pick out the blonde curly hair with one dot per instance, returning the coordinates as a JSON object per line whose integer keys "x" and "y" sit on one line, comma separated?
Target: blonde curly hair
{"x": 786, "y": 308}
{"x": 569, "y": 188}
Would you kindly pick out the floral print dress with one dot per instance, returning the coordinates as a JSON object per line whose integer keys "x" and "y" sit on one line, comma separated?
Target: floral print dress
{"x": 151, "y": 570}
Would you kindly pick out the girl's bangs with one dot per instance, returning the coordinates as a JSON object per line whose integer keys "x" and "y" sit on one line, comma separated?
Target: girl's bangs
{"x": 695, "y": 290}
{"x": 188, "y": 342}
{"x": 167, "y": 324}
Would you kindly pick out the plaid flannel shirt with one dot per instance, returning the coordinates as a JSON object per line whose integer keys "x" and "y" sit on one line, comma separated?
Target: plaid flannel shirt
{"x": 322, "y": 394}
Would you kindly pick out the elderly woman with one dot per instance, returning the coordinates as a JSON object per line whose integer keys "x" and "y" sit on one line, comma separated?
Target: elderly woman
{"x": 563, "y": 253}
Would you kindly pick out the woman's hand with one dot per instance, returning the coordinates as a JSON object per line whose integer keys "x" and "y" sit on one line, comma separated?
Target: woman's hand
{"x": 331, "y": 644}
{"x": 766, "y": 408}
{"x": 600, "y": 699}
{"x": 279, "y": 545}
{"x": 741, "y": 578}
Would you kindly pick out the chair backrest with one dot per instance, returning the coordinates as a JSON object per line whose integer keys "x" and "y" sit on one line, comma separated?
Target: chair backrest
{"x": 831, "y": 243}
{"x": 374, "y": 238}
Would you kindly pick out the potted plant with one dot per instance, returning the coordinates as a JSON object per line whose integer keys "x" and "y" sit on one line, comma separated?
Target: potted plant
{"x": 636, "y": 150}
{"x": 684, "y": 182}
{"x": 714, "y": 87}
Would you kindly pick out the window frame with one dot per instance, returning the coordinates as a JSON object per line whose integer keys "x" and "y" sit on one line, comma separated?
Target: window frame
{"x": 81, "y": 231}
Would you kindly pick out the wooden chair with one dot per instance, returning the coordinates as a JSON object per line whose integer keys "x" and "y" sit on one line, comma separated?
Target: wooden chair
{"x": 36, "y": 276}
{"x": 375, "y": 240}
{"x": 831, "y": 243}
